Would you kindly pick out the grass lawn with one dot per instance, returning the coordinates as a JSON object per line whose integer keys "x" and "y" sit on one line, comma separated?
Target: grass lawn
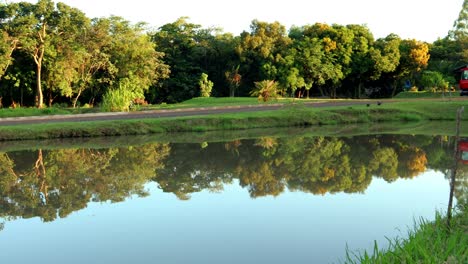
{"x": 425, "y": 94}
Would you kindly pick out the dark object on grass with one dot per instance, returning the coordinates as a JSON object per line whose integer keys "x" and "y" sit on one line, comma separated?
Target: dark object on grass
{"x": 379, "y": 103}
{"x": 368, "y": 105}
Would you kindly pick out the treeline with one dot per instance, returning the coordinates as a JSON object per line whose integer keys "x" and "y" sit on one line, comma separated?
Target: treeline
{"x": 54, "y": 183}
{"x": 52, "y": 53}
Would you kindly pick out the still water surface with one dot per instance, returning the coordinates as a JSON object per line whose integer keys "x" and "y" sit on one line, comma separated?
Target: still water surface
{"x": 265, "y": 200}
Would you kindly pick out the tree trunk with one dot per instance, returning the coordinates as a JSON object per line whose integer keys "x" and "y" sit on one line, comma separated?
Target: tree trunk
{"x": 75, "y": 100}
{"x": 38, "y": 58}
{"x": 39, "y": 95}
{"x": 394, "y": 88}
{"x": 321, "y": 92}
{"x": 359, "y": 89}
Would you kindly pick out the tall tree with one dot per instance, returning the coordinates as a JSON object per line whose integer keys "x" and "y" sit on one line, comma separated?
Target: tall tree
{"x": 386, "y": 58}
{"x": 460, "y": 27}
{"x": 361, "y": 61}
{"x": 61, "y": 69}
{"x": 134, "y": 55}
{"x": 261, "y": 51}
{"x": 178, "y": 41}
{"x": 414, "y": 58}
{"x": 337, "y": 46}
{"x": 36, "y": 27}
{"x": 7, "y": 47}
{"x": 452, "y": 51}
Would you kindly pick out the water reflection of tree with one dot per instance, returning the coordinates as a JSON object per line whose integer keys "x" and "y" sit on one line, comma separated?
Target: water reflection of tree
{"x": 461, "y": 184}
{"x": 55, "y": 183}
{"x": 267, "y": 166}
{"x": 59, "y": 182}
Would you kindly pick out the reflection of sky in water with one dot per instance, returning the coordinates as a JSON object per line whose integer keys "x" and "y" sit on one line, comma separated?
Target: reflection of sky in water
{"x": 464, "y": 155}
{"x": 227, "y": 227}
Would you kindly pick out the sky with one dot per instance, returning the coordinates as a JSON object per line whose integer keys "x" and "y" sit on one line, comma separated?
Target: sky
{"x": 424, "y": 20}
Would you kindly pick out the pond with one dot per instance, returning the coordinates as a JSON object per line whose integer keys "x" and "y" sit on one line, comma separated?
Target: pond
{"x": 282, "y": 199}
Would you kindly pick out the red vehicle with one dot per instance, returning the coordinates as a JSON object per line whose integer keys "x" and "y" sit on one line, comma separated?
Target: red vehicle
{"x": 462, "y": 75}
{"x": 463, "y": 148}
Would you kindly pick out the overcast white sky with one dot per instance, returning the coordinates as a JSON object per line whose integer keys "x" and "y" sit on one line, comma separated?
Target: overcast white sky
{"x": 424, "y": 20}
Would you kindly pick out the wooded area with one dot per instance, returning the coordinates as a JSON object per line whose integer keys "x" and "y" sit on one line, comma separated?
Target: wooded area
{"x": 53, "y": 54}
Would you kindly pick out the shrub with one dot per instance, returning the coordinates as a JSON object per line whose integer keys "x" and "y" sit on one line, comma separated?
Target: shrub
{"x": 434, "y": 81}
{"x": 265, "y": 90}
{"x": 205, "y": 85}
{"x": 117, "y": 100}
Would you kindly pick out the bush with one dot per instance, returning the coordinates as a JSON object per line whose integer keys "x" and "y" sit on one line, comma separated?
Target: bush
{"x": 265, "y": 90}
{"x": 117, "y": 100}
{"x": 205, "y": 85}
{"x": 433, "y": 80}
{"x": 414, "y": 89}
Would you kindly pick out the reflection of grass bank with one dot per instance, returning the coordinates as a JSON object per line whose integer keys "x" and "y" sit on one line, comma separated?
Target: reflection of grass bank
{"x": 290, "y": 116}
{"x": 440, "y": 128}
{"x": 429, "y": 242}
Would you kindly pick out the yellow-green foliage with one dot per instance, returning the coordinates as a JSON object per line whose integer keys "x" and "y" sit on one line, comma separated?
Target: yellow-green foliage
{"x": 117, "y": 100}
{"x": 265, "y": 90}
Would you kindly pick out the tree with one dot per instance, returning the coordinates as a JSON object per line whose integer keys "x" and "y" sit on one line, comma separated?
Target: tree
{"x": 178, "y": 41}
{"x": 85, "y": 58}
{"x": 63, "y": 68}
{"x": 40, "y": 30}
{"x": 361, "y": 61}
{"x": 386, "y": 55}
{"x": 452, "y": 51}
{"x": 314, "y": 66}
{"x": 460, "y": 26}
{"x": 336, "y": 46}
{"x": 290, "y": 77}
{"x": 386, "y": 58}
{"x": 261, "y": 51}
{"x": 205, "y": 85}
{"x": 134, "y": 55}
{"x": 32, "y": 25}
{"x": 234, "y": 79}
{"x": 7, "y": 46}
{"x": 414, "y": 57}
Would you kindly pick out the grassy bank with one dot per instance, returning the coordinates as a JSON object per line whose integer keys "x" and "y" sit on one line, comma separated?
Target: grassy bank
{"x": 426, "y": 94}
{"x": 428, "y": 242}
{"x": 192, "y": 103}
{"x": 292, "y": 115}
{"x": 31, "y": 111}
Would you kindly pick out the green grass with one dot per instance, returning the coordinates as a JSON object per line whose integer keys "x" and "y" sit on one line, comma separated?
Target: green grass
{"x": 192, "y": 103}
{"x": 428, "y": 242}
{"x": 294, "y": 115}
{"x": 419, "y": 110}
{"x": 425, "y": 94}
{"x": 223, "y": 101}
{"x": 32, "y": 111}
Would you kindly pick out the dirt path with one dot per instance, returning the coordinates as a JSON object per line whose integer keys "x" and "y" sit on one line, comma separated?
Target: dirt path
{"x": 173, "y": 112}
